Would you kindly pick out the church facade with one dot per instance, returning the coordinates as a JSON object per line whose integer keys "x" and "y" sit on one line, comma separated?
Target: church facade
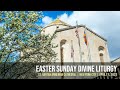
{"x": 77, "y": 43}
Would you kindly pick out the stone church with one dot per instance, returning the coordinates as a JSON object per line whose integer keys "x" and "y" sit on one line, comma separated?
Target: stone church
{"x": 77, "y": 43}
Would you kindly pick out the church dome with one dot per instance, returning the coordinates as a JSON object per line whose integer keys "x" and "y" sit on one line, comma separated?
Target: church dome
{"x": 55, "y": 25}
{"x": 57, "y": 22}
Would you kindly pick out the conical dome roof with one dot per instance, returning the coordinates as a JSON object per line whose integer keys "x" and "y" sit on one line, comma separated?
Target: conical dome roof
{"x": 57, "y": 22}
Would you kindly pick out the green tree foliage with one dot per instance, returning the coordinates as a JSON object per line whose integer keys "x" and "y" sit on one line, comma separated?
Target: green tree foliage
{"x": 21, "y": 34}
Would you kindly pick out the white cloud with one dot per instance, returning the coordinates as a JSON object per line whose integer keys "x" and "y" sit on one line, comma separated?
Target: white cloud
{"x": 76, "y": 15}
{"x": 64, "y": 17}
{"x": 92, "y": 19}
{"x": 46, "y": 20}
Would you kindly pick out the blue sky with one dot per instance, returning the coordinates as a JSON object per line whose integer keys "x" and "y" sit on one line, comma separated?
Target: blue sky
{"x": 104, "y": 23}
{"x": 54, "y": 14}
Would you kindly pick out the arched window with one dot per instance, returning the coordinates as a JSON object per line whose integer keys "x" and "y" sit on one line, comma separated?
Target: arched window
{"x": 57, "y": 27}
{"x": 101, "y": 48}
{"x": 62, "y": 42}
{"x": 101, "y": 54}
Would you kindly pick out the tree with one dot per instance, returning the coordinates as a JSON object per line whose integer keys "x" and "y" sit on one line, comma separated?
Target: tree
{"x": 20, "y": 33}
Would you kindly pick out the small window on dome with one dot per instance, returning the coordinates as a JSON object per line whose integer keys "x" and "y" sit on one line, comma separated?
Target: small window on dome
{"x": 57, "y": 26}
